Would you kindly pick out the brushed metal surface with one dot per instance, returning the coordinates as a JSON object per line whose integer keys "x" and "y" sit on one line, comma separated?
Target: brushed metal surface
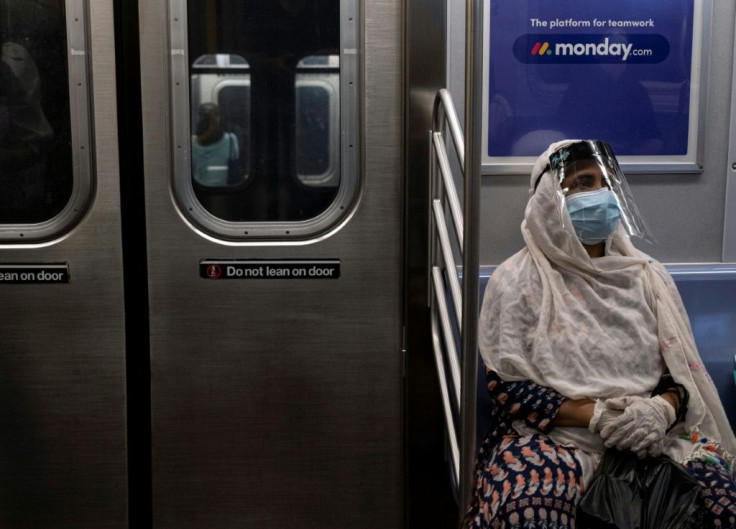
{"x": 430, "y": 501}
{"x": 279, "y": 403}
{"x": 729, "y": 216}
{"x": 62, "y": 351}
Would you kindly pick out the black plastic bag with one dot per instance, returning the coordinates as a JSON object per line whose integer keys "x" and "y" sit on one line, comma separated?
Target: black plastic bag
{"x": 631, "y": 493}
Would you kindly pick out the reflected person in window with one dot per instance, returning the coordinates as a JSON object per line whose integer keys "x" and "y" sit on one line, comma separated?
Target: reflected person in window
{"x": 213, "y": 150}
{"x": 24, "y": 131}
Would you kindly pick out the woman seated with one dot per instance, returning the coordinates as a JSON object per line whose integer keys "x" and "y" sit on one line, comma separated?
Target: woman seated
{"x": 587, "y": 346}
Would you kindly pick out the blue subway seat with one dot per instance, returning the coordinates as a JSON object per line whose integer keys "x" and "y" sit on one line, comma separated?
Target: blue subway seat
{"x": 709, "y": 295}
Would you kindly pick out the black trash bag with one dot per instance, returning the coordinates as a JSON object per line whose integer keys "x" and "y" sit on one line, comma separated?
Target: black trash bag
{"x": 631, "y": 493}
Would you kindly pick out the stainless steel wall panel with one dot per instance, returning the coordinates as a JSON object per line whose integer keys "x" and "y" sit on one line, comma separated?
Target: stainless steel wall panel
{"x": 430, "y": 500}
{"x": 62, "y": 351}
{"x": 279, "y": 403}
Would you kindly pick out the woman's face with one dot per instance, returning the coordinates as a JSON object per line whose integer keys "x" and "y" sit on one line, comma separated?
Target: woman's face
{"x": 583, "y": 175}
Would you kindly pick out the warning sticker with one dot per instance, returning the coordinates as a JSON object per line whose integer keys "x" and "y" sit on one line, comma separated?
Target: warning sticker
{"x": 34, "y": 273}
{"x": 270, "y": 269}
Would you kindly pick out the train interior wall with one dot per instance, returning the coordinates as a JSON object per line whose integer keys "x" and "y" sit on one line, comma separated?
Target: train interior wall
{"x": 78, "y": 450}
{"x": 277, "y": 401}
{"x": 430, "y": 501}
{"x": 686, "y": 212}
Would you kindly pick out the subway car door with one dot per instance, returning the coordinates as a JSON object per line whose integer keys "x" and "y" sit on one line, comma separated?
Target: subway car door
{"x": 272, "y": 137}
{"x": 62, "y": 344}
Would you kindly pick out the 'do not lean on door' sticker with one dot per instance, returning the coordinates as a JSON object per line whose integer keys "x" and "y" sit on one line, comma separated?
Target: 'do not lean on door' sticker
{"x": 270, "y": 269}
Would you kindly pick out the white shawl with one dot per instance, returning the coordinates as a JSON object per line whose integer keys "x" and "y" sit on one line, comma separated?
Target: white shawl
{"x": 593, "y": 328}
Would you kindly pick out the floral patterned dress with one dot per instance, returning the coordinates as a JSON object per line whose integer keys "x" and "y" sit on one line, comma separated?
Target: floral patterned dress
{"x": 530, "y": 482}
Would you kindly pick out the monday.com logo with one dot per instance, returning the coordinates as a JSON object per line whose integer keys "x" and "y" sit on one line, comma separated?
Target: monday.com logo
{"x": 591, "y": 49}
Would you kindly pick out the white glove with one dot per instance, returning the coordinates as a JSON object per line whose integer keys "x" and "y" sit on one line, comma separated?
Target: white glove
{"x": 602, "y": 416}
{"x": 641, "y": 427}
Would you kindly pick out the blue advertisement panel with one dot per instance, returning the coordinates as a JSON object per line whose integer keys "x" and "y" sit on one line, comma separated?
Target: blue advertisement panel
{"x": 619, "y": 71}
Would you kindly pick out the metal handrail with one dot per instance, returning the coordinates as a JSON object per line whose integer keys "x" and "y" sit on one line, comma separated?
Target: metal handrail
{"x": 449, "y": 260}
{"x": 447, "y": 336}
{"x": 445, "y": 394}
{"x": 474, "y": 42}
{"x": 444, "y": 277}
{"x": 444, "y": 111}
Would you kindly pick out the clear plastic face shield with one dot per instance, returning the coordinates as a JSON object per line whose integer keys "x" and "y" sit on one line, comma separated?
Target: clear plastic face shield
{"x": 593, "y": 193}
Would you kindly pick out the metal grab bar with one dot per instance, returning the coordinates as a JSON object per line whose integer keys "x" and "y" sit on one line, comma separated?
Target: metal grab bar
{"x": 443, "y": 277}
{"x": 445, "y": 108}
{"x": 448, "y": 337}
{"x": 449, "y": 260}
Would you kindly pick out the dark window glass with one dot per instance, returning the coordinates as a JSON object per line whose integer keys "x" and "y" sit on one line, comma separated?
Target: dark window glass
{"x": 313, "y": 131}
{"x": 283, "y": 121}
{"x": 234, "y": 102}
{"x": 317, "y": 130}
{"x": 36, "y": 174}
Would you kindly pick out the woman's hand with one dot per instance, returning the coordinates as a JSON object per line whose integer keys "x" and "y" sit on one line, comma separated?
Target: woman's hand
{"x": 642, "y": 425}
{"x": 602, "y": 416}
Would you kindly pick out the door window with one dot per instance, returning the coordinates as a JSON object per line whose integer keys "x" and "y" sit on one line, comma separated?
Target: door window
{"x": 45, "y": 181}
{"x": 264, "y": 115}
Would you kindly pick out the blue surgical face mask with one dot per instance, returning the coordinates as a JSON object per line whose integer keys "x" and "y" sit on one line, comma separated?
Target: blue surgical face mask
{"x": 594, "y": 214}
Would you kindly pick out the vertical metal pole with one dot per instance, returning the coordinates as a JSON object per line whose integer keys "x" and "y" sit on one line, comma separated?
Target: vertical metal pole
{"x": 432, "y": 232}
{"x": 471, "y": 188}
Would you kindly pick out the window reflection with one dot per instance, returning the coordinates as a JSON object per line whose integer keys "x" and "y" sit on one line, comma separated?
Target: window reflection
{"x": 272, "y": 70}
{"x": 317, "y": 126}
{"x": 215, "y": 151}
{"x": 35, "y": 130}
{"x": 220, "y": 131}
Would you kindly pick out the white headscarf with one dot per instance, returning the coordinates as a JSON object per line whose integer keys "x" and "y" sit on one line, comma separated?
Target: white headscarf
{"x": 593, "y": 328}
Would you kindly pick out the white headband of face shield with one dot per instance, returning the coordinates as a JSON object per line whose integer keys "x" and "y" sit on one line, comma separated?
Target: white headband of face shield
{"x": 593, "y": 192}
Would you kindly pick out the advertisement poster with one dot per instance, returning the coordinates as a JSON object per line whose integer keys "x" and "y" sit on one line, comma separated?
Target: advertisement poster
{"x": 621, "y": 71}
